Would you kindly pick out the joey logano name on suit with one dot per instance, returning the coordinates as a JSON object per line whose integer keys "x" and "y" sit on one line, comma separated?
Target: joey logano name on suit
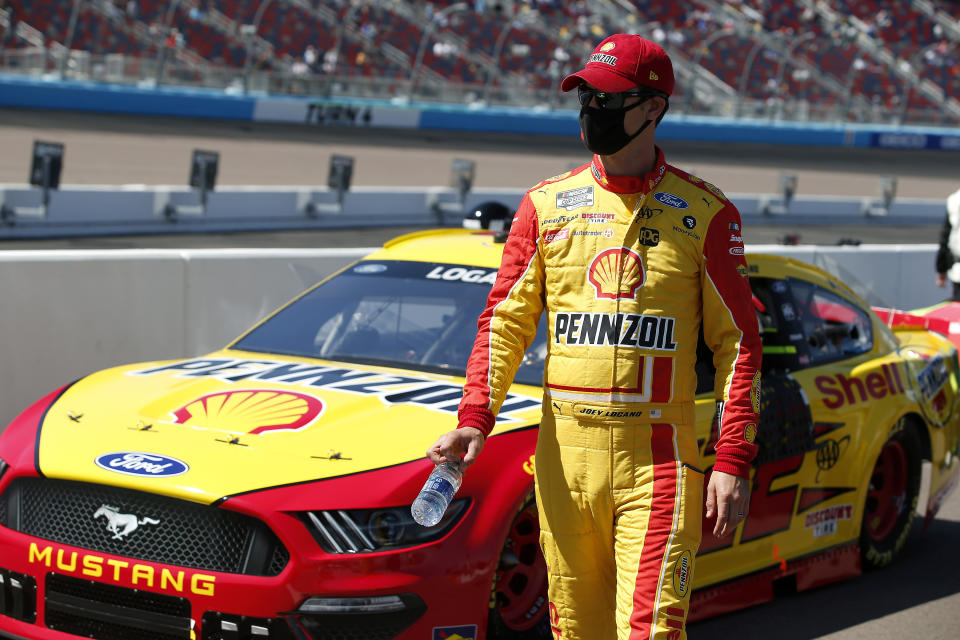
{"x": 129, "y": 574}
{"x": 621, "y": 329}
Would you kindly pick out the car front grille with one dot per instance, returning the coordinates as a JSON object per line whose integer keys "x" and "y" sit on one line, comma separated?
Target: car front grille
{"x": 106, "y": 612}
{"x": 148, "y": 527}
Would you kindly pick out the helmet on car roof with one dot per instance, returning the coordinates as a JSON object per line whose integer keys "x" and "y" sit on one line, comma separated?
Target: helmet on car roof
{"x": 490, "y": 215}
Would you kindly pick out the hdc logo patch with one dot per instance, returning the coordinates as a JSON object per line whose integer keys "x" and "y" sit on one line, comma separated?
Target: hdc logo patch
{"x": 463, "y": 632}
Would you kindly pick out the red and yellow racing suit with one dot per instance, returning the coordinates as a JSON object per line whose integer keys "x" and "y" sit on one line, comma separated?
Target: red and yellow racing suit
{"x": 626, "y": 268}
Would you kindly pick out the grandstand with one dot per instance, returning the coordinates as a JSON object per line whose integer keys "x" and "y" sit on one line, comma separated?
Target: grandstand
{"x": 837, "y": 60}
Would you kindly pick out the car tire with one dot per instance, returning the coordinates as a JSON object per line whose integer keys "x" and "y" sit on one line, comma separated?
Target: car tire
{"x": 892, "y": 496}
{"x": 518, "y": 603}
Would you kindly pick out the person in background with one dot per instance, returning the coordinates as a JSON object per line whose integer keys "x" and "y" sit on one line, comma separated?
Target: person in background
{"x": 948, "y": 254}
{"x": 627, "y": 254}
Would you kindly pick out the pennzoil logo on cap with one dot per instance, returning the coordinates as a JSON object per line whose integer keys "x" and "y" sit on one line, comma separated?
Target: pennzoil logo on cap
{"x": 617, "y": 273}
{"x": 251, "y": 411}
{"x": 604, "y": 57}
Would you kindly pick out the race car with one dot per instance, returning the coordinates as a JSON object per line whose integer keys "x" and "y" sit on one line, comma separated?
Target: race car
{"x": 264, "y": 490}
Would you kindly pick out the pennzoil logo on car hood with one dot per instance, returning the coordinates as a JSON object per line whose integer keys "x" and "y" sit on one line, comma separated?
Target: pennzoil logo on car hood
{"x": 204, "y": 428}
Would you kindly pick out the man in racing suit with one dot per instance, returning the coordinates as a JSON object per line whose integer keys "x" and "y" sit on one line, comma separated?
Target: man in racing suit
{"x": 627, "y": 254}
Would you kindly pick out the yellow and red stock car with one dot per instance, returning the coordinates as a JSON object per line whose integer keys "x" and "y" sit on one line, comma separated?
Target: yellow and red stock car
{"x": 264, "y": 491}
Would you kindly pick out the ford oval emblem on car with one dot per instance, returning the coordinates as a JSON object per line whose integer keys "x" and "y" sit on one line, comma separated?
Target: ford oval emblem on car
{"x": 670, "y": 200}
{"x": 369, "y": 268}
{"x": 136, "y": 463}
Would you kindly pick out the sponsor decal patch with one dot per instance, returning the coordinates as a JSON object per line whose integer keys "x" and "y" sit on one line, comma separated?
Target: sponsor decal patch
{"x": 755, "y": 389}
{"x": 743, "y": 271}
{"x": 829, "y": 452}
{"x": 252, "y": 411}
{"x": 649, "y": 237}
{"x": 617, "y": 273}
{"x": 681, "y": 574}
{"x": 553, "y": 236}
{"x": 370, "y": 268}
{"x": 575, "y": 198}
{"x": 733, "y": 226}
{"x": 122, "y": 572}
{"x": 824, "y": 521}
{"x": 933, "y": 377}
{"x": 463, "y": 274}
{"x": 686, "y": 232}
{"x": 622, "y": 329}
{"x": 593, "y": 218}
{"x": 462, "y": 632}
{"x": 839, "y": 390}
{"x": 736, "y": 251}
{"x": 671, "y": 200}
{"x": 603, "y": 58}
{"x": 750, "y": 432}
{"x": 715, "y": 190}
{"x": 560, "y": 220}
{"x": 390, "y": 389}
{"x": 645, "y": 213}
{"x": 689, "y": 222}
{"x": 144, "y": 465}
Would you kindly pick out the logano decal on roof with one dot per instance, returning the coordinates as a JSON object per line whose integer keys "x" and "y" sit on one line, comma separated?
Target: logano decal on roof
{"x": 138, "y": 463}
{"x": 252, "y": 411}
{"x": 391, "y": 389}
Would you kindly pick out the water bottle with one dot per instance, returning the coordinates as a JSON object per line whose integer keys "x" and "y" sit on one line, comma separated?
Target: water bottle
{"x": 436, "y": 494}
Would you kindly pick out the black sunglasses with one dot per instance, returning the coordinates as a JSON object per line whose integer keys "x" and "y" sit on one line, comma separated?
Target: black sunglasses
{"x": 607, "y": 100}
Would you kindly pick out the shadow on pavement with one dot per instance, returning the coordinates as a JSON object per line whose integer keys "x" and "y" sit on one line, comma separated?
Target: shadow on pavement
{"x": 928, "y": 570}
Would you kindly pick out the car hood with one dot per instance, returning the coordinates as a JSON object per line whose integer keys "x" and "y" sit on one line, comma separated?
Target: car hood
{"x": 233, "y": 422}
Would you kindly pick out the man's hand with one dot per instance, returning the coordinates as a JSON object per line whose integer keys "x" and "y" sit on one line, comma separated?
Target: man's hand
{"x": 728, "y": 496}
{"x": 941, "y": 279}
{"x": 463, "y": 443}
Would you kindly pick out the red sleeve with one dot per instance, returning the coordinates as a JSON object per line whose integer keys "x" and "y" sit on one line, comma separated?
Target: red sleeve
{"x": 731, "y": 331}
{"x": 507, "y": 325}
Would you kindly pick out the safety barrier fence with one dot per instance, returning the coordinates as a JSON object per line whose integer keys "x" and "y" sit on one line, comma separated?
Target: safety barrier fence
{"x": 69, "y": 313}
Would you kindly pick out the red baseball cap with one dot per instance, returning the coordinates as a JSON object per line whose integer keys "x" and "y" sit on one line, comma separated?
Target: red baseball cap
{"x": 624, "y": 61}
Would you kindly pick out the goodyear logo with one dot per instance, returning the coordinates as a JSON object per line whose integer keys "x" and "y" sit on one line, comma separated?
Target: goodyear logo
{"x": 122, "y": 572}
{"x": 621, "y": 329}
{"x": 252, "y": 411}
{"x": 617, "y": 273}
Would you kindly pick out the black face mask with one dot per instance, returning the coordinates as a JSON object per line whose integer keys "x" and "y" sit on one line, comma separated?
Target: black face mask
{"x": 603, "y": 129}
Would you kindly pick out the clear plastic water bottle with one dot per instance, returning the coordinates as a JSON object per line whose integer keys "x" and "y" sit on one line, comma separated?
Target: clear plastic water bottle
{"x": 436, "y": 494}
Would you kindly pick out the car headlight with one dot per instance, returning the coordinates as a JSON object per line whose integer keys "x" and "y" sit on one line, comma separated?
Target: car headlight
{"x": 366, "y": 530}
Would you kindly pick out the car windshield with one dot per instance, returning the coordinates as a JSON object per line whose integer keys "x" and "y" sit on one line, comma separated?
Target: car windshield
{"x": 411, "y": 315}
